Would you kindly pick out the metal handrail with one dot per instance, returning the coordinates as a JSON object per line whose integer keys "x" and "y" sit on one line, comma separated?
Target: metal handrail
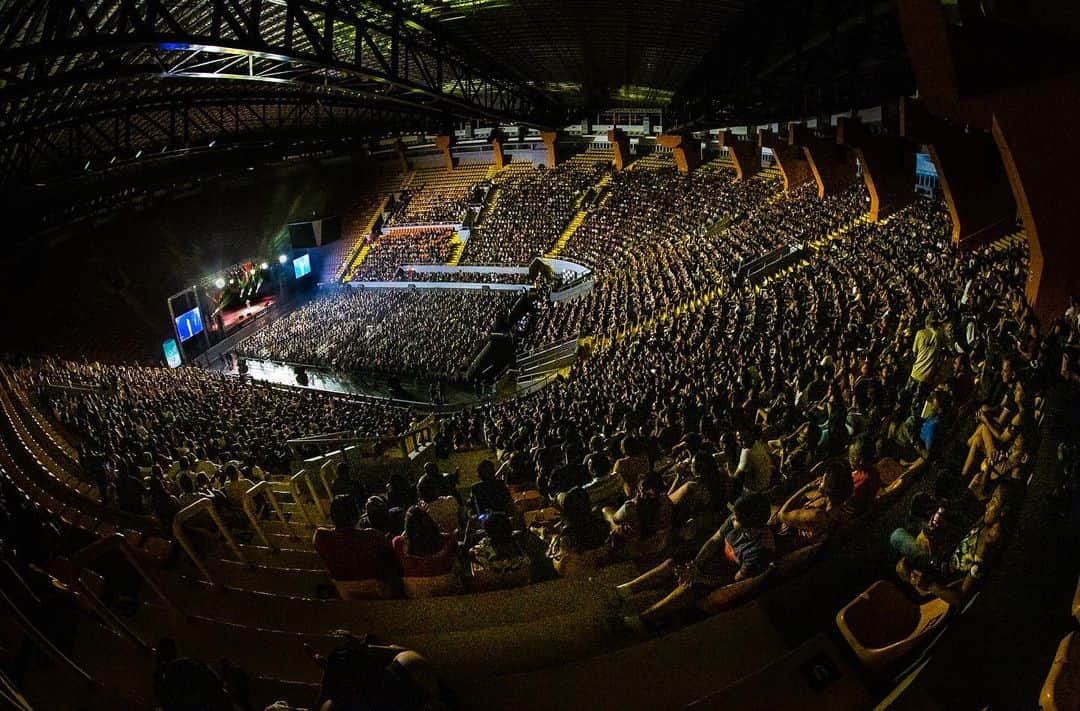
{"x": 329, "y": 464}
{"x": 182, "y": 516}
{"x": 117, "y": 542}
{"x": 265, "y": 488}
{"x": 294, "y": 487}
{"x": 42, "y": 642}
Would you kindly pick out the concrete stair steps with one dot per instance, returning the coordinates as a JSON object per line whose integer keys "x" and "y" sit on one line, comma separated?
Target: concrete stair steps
{"x": 389, "y": 619}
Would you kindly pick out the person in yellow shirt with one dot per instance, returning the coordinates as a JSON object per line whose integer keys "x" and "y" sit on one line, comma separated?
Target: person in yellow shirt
{"x": 928, "y": 352}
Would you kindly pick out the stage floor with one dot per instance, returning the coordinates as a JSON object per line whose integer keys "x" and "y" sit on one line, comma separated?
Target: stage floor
{"x": 411, "y": 393}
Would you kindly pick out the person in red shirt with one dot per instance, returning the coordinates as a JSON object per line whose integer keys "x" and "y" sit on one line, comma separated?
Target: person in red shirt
{"x": 352, "y": 553}
{"x": 864, "y": 476}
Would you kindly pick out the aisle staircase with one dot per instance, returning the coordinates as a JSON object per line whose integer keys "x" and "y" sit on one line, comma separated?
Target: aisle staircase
{"x": 459, "y": 249}
{"x": 773, "y": 171}
{"x": 348, "y": 266}
{"x": 1009, "y": 241}
{"x": 575, "y": 223}
{"x": 357, "y": 261}
{"x": 571, "y": 228}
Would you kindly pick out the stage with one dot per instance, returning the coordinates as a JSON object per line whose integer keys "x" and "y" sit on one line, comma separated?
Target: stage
{"x": 234, "y": 318}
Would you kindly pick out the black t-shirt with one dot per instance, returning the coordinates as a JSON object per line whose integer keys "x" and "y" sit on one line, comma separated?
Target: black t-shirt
{"x": 491, "y": 496}
{"x": 566, "y": 478}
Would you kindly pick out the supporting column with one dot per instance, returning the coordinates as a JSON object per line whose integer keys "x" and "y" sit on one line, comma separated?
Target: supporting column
{"x": 746, "y": 155}
{"x": 621, "y": 143}
{"x": 789, "y": 159}
{"x": 443, "y": 144}
{"x": 1034, "y": 127}
{"x": 399, "y": 148}
{"x": 832, "y": 165}
{"x": 970, "y": 172}
{"x": 497, "y": 150}
{"x": 685, "y": 149}
{"x": 550, "y": 140}
{"x": 1042, "y": 168}
{"x": 888, "y": 165}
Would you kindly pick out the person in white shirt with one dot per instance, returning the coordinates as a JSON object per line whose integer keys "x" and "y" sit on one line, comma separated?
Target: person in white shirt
{"x": 754, "y": 472}
{"x": 236, "y": 486}
{"x": 444, "y": 510}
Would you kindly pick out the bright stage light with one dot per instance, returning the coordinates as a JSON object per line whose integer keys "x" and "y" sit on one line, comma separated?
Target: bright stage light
{"x": 264, "y": 265}
{"x": 219, "y": 283}
{"x": 282, "y": 259}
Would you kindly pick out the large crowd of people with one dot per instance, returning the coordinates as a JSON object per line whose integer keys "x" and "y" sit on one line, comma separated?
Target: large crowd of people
{"x": 144, "y": 427}
{"x": 430, "y": 332}
{"x": 531, "y": 209}
{"x": 461, "y": 277}
{"x": 415, "y": 246}
{"x": 711, "y": 443}
{"x": 663, "y": 238}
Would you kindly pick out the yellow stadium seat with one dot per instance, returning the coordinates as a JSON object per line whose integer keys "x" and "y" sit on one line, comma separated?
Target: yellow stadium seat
{"x": 1076, "y": 602}
{"x": 1061, "y": 690}
{"x": 882, "y": 625}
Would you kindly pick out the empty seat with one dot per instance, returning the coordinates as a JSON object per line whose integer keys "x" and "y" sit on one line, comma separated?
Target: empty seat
{"x": 882, "y": 624}
{"x": 1061, "y": 690}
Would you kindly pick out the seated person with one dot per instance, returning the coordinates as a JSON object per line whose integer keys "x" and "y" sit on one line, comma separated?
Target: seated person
{"x": 642, "y": 525}
{"x": 399, "y": 493}
{"x": 1003, "y": 394}
{"x": 919, "y": 440}
{"x": 236, "y": 486}
{"x": 498, "y": 560}
{"x": 516, "y": 473}
{"x": 580, "y": 540}
{"x": 424, "y": 551}
{"x": 864, "y": 476}
{"x": 818, "y": 508}
{"x": 566, "y": 476}
{"x": 346, "y": 481}
{"x": 444, "y": 509}
{"x": 1001, "y": 447}
{"x": 969, "y": 559}
{"x": 603, "y": 485}
{"x": 702, "y": 495}
{"x": 353, "y": 554}
{"x": 798, "y": 452}
{"x": 746, "y": 550}
{"x": 633, "y": 465}
{"x": 598, "y": 452}
{"x": 489, "y": 493}
{"x": 378, "y": 516}
{"x": 357, "y": 675}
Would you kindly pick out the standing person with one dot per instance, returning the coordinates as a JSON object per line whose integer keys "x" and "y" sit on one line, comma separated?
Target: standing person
{"x": 928, "y": 352}
{"x": 753, "y": 475}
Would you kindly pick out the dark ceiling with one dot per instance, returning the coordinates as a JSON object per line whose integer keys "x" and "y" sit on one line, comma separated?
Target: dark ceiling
{"x": 89, "y": 84}
{"x": 591, "y": 53}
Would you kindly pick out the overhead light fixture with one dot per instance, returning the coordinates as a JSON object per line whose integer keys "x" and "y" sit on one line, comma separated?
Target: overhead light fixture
{"x": 282, "y": 259}
{"x": 264, "y": 265}
{"x": 219, "y": 283}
